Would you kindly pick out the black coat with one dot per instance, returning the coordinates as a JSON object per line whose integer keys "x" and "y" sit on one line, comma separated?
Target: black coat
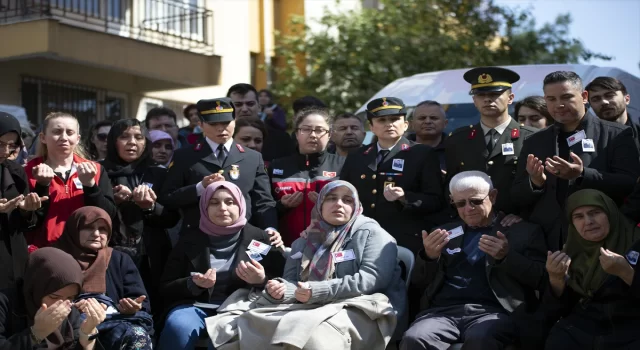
{"x": 466, "y": 149}
{"x": 420, "y": 178}
{"x": 277, "y": 144}
{"x": 613, "y": 169}
{"x": 13, "y": 245}
{"x": 192, "y": 164}
{"x": 124, "y": 281}
{"x": 192, "y": 254}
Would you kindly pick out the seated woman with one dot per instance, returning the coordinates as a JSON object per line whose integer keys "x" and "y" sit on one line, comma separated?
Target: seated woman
{"x": 40, "y": 313}
{"x": 594, "y": 282}
{"x": 111, "y": 277}
{"x": 343, "y": 259}
{"x": 211, "y": 262}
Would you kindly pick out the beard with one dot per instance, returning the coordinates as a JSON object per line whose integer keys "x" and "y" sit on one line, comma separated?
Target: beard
{"x": 611, "y": 114}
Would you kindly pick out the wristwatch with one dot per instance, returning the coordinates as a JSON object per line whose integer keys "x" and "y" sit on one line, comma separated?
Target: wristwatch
{"x": 93, "y": 336}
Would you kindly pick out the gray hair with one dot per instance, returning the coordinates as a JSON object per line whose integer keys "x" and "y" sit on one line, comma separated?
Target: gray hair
{"x": 470, "y": 180}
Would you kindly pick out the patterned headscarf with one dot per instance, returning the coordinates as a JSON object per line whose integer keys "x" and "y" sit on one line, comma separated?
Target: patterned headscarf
{"x": 324, "y": 239}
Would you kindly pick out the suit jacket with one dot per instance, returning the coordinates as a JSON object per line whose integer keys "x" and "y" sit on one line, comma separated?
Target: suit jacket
{"x": 514, "y": 280}
{"x": 466, "y": 149}
{"x": 413, "y": 167}
{"x": 192, "y": 164}
{"x": 613, "y": 169}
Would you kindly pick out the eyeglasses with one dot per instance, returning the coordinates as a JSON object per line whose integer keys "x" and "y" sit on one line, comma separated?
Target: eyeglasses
{"x": 11, "y": 146}
{"x": 473, "y": 202}
{"x": 102, "y": 137}
{"x": 318, "y": 131}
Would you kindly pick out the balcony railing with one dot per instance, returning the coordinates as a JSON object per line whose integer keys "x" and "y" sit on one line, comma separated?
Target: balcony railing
{"x": 175, "y": 23}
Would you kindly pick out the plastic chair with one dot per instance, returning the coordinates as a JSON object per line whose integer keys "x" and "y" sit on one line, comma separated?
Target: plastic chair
{"x": 407, "y": 258}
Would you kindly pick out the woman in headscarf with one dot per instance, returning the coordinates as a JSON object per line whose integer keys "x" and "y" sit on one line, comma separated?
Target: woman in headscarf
{"x": 140, "y": 228}
{"x": 16, "y": 204}
{"x": 210, "y": 262}
{"x": 594, "y": 285}
{"x": 111, "y": 277}
{"x": 40, "y": 313}
{"x": 343, "y": 259}
{"x": 163, "y": 147}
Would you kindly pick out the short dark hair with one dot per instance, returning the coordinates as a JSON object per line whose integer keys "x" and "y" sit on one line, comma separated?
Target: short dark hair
{"x": 307, "y": 102}
{"x": 429, "y": 103}
{"x": 185, "y": 111}
{"x": 323, "y": 112}
{"x": 538, "y": 104}
{"x": 561, "y": 77}
{"x": 606, "y": 83}
{"x": 242, "y": 89}
{"x": 157, "y": 112}
{"x": 348, "y": 116}
{"x": 269, "y": 93}
{"x": 252, "y": 122}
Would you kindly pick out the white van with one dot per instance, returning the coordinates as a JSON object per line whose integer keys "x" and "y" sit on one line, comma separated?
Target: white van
{"x": 451, "y": 90}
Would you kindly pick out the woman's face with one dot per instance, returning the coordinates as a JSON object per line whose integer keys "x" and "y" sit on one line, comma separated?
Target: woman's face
{"x": 69, "y": 292}
{"x": 95, "y": 235}
{"x": 264, "y": 99}
{"x": 223, "y": 210}
{"x": 250, "y": 137}
{"x": 8, "y": 145}
{"x": 162, "y": 151}
{"x": 338, "y": 206}
{"x": 591, "y": 222}
{"x": 100, "y": 138}
{"x": 130, "y": 144}
{"x": 313, "y": 134}
{"x": 61, "y": 136}
{"x": 531, "y": 117}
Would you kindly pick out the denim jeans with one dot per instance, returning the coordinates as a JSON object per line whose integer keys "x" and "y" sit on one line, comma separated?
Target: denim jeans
{"x": 184, "y": 327}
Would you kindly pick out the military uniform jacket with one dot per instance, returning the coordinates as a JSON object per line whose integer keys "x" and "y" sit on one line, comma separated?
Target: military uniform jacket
{"x": 612, "y": 168}
{"x": 413, "y": 167}
{"x": 466, "y": 149}
{"x": 243, "y": 167}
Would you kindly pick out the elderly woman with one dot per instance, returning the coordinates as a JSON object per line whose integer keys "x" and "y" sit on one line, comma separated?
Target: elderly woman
{"x": 210, "y": 262}
{"x": 40, "y": 314}
{"x": 343, "y": 259}
{"x": 111, "y": 277}
{"x": 594, "y": 287}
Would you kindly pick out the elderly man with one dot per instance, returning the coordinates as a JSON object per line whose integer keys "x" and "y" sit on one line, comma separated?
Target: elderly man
{"x": 477, "y": 273}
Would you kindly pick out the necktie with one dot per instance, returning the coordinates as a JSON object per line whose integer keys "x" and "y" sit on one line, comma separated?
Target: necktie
{"x": 492, "y": 141}
{"x": 382, "y": 154}
{"x": 221, "y": 154}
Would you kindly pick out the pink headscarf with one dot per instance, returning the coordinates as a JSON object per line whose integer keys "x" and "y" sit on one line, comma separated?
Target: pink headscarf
{"x": 157, "y": 135}
{"x": 206, "y": 225}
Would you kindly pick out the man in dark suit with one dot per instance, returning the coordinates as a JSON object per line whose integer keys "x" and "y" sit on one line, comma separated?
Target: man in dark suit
{"x": 398, "y": 181}
{"x": 476, "y": 273}
{"x": 579, "y": 151}
{"x": 493, "y": 145}
{"x": 215, "y": 158}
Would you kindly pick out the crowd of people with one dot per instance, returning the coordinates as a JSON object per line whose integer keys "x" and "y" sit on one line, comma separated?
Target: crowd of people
{"x": 232, "y": 233}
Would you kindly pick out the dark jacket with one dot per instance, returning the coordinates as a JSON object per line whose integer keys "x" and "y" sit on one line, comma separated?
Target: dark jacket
{"x": 124, "y": 281}
{"x": 409, "y": 165}
{"x": 192, "y": 254}
{"x": 300, "y": 173}
{"x": 278, "y": 119}
{"x": 466, "y": 149}
{"x": 15, "y": 333}
{"x": 613, "y": 169}
{"x": 513, "y": 280}
{"x": 277, "y": 144}
{"x": 635, "y": 130}
{"x": 191, "y": 165}
{"x": 439, "y": 149}
{"x": 13, "y": 245}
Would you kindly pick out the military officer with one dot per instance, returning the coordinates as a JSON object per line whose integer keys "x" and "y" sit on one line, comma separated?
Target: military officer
{"x": 493, "y": 145}
{"x": 218, "y": 157}
{"x": 398, "y": 181}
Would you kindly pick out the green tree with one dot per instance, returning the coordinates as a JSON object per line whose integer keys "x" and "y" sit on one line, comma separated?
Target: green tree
{"x": 359, "y": 52}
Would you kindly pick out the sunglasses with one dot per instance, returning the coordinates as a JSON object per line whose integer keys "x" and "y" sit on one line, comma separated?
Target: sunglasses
{"x": 474, "y": 202}
{"x": 102, "y": 137}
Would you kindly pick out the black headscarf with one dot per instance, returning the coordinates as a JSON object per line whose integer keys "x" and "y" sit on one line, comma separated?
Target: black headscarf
{"x": 114, "y": 165}
{"x": 9, "y": 123}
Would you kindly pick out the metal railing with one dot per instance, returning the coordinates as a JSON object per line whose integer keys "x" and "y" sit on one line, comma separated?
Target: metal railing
{"x": 174, "y": 23}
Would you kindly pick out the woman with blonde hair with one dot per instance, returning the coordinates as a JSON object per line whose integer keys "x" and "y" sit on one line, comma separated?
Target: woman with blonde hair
{"x": 62, "y": 172}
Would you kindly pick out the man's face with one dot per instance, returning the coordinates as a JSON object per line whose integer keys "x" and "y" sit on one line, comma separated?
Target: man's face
{"x": 389, "y": 128}
{"x": 474, "y": 207}
{"x": 428, "y": 121}
{"x": 219, "y": 133}
{"x": 565, "y": 102}
{"x": 164, "y": 123}
{"x": 194, "y": 119}
{"x": 246, "y": 105}
{"x": 607, "y": 104}
{"x": 493, "y": 104}
{"x": 348, "y": 133}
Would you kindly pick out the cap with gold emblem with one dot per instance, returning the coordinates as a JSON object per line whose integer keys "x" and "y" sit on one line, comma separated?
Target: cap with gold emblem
{"x": 384, "y": 106}
{"x": 217, "y": 110}
{"x": 490, "y": 79}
